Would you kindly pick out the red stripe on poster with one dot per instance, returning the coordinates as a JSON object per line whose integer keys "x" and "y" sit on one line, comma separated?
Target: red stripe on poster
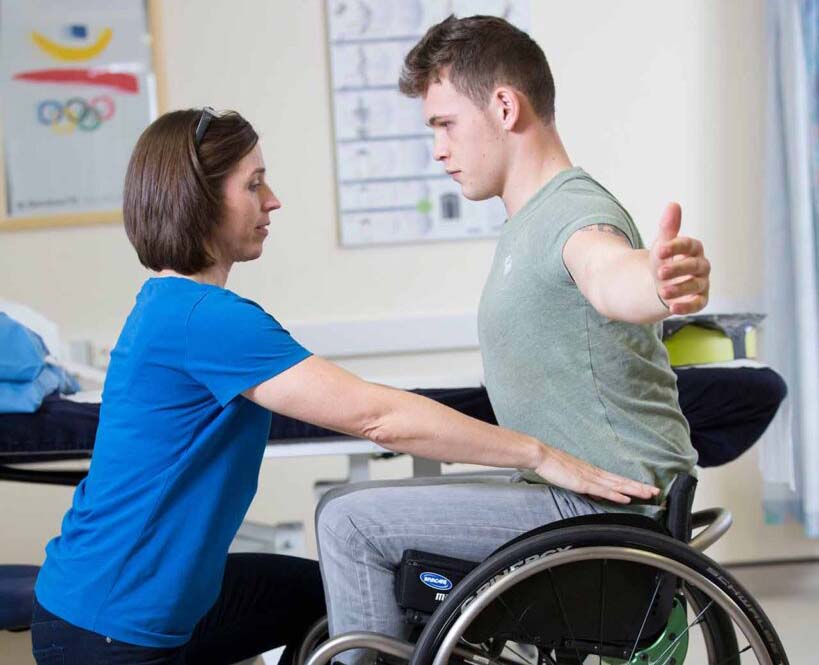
{"x": 123, "y": 82}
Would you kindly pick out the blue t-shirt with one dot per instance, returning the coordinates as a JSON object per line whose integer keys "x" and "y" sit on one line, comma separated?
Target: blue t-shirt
{"x": 142, "y": 551}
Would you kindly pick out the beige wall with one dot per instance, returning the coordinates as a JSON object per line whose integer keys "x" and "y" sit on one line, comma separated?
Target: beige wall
{"x": 659, "y": 100}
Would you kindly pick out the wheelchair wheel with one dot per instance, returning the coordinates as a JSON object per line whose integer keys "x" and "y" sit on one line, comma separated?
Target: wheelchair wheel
{"x": 521, "y": 606}
{"x": 318, "y": 633}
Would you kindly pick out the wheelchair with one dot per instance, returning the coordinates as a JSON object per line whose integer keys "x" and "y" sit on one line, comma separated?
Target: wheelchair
{"x": 613, "y": 589}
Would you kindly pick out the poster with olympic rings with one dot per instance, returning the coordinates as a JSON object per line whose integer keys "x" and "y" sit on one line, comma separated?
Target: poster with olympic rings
{"x": 78, "y": 89}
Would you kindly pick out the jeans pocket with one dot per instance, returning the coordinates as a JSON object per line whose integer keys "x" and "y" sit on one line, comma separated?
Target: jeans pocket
{"x": 51, "y": 656}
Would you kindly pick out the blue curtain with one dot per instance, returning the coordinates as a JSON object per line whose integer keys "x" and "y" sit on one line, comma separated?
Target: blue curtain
{"x": 790, "y": 451}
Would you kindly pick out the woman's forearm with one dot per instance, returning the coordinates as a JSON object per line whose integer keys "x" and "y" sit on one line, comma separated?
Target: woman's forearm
{"x": 324, "y": 394}
{"x": 413, "y": 424}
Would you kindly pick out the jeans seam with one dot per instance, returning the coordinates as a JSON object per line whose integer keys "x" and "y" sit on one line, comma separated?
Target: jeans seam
{"x": 375, "y": 531}
{"x": 346, "y": 541}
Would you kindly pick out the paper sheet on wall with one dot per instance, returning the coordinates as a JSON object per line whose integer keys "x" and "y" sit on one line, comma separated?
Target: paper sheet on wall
{"x": 390, "y": 189}
{"x": 77, "y": 90}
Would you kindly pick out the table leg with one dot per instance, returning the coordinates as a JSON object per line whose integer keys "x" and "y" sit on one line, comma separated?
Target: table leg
{"x": 359, "y": 468}
{"x": 423, "y": 467}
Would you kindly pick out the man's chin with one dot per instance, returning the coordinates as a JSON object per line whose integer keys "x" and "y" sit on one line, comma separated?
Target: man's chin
{"x": 475, "y": 196}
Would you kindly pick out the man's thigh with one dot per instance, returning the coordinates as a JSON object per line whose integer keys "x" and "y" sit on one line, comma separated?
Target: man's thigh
{"x": 466, "y": 517}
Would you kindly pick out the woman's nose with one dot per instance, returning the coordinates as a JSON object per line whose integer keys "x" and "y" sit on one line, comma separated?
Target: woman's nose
{"x": 272, "y": 202}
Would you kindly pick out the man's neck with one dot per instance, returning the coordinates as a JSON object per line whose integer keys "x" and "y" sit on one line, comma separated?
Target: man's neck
{"x": 538, "y": 157}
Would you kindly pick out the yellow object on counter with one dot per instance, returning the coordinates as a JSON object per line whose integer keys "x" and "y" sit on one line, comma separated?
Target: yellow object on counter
{"x": 711, "y": 338}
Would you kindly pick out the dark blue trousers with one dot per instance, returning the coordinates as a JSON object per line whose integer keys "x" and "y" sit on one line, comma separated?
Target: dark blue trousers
{"x": 267, "y": 601}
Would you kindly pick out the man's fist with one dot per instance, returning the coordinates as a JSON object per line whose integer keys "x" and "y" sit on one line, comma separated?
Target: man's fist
{"x": 679, "y": 267}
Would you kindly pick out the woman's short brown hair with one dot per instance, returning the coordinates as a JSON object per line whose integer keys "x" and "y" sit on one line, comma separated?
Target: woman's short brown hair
{"x": 481, "y": 53}
{"x": 174, "y": 188}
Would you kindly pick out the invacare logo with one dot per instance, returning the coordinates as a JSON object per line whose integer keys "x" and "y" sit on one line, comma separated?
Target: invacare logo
{"x": 436, "y": 581}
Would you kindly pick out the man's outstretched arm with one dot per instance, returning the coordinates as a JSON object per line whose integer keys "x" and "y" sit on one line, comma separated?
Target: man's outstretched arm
{"x": 639, "y": 285}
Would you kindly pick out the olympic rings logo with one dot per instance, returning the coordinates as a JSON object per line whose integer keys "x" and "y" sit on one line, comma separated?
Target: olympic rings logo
{"x": 75, "y": 113}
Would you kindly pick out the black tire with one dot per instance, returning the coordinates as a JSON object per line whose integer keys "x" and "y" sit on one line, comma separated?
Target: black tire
{"x": 719, "y": 625}
{"x": 718, "y": 631}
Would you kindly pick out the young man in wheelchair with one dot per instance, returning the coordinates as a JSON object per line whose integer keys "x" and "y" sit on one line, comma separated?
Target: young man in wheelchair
{"x": 571, "y": 352}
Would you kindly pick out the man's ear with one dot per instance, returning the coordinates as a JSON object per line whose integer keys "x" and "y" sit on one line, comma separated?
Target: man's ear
{"x": 507, "y": 105}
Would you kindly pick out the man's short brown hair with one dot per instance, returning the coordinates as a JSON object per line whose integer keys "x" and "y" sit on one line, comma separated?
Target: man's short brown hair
{"x": 174, "y": 188}
{"x": 480, "y": 53}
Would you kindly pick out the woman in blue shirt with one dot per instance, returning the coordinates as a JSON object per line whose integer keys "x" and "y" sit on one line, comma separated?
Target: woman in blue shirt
{"x": 140, "y": 572}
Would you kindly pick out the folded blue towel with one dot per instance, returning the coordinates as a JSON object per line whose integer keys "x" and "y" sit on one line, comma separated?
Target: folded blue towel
{"x": 26, "y": 375}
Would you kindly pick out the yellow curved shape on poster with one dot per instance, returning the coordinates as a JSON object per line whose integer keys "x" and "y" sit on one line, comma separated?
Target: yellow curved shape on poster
{"x": 73, "y": 53}
{"x": 63, "y": 128}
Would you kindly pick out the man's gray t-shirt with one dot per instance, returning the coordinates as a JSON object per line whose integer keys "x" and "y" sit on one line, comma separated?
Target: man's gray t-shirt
{"x": 599, "y": 389}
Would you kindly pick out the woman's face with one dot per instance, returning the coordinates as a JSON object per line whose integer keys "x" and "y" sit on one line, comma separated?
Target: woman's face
{"x": 247, "y": 204}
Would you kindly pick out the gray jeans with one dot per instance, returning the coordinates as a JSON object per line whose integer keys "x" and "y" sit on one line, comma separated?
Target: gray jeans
{"x": 363, "y": 530}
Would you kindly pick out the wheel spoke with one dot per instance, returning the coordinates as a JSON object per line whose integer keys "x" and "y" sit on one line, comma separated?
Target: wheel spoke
{"x": 645, "y": 618}
{"x": 670, "y": 648}
{"x": 604, "y": 570}
{"x": 563, "y": 614}
{"x": 482, "y": 651}
{"x": 515, "y": 619}
{"x": 733, "y": 658}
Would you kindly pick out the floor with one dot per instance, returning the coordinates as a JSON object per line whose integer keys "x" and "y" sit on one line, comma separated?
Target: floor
{"x": 789, "y": 594}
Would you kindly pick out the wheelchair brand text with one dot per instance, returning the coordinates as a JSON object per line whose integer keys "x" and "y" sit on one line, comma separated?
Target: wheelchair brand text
{"x": 436, "y": 581}
{"x": 750, "y": 608}
{"x": 510, "y": 569}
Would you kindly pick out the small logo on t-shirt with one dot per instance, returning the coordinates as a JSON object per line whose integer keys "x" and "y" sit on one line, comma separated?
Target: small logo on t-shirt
{"x": 507, "y": 265}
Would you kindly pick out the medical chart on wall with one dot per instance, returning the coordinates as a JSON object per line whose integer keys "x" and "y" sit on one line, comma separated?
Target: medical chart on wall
{"x": 77, "y": 89}
{"x": 390, "y": 189}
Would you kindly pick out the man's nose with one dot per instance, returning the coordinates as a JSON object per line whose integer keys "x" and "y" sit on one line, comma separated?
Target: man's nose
{"x": 439, "y": 151}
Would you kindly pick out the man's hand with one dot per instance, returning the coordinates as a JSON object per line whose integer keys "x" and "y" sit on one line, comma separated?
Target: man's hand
{"x": 678, "y": 266}
{"x": 569, "y": 472}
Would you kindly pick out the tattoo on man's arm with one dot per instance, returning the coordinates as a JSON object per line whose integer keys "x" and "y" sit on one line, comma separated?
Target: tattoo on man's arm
{"x": 606, "y": 228}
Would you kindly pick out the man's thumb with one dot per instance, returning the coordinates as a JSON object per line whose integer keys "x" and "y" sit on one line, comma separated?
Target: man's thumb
{"x": 670, "y": 222}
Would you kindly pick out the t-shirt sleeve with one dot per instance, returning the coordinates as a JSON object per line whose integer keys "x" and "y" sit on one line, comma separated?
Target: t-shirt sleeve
{"x": 233, "y": 345}
{"x": 608, "y": 217}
